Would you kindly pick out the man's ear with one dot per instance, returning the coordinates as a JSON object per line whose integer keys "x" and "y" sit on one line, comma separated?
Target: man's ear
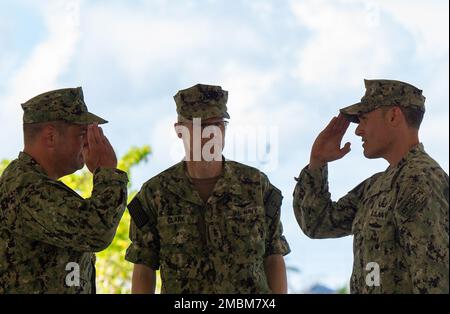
{"x": 395, "y": 116}
{"x": 49, "y": 136}
{"x": 177, "y": 126}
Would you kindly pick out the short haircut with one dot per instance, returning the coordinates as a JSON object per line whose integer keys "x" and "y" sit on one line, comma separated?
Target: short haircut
{"x": 413, "y": 116}
{"x": 32, "y": 130}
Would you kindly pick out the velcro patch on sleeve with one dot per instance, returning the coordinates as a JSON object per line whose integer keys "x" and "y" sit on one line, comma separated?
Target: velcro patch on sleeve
{"x": 272, "y": 202}
{"x": 137, "y": 212}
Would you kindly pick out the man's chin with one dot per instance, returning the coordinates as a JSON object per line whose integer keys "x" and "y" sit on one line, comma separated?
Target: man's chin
{"x": 81, "y": 162}
{"x": 79, "y": 166}
{"x": 72, "y": 170}
{"x": 370, "y": 155}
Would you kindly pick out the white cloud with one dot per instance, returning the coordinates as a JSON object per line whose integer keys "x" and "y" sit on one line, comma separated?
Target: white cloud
{"x": 41, "y": 71}
{"x": 354, "y": 39}
{"x": 144, "y": 43}
{"x": 248, "y": 89}
{"x": 435, "y": 136}
{"x": 427, "y": 22}
{"x": 263, "y": 8}
{"x": 51, "y": 57}
{"x": 345, "y": 44}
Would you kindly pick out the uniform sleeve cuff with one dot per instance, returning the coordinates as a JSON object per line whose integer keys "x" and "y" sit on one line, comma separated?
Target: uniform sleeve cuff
{"x": 280, "y": 248}
{"x": 319, "y": 173}
{"x": 107, "y": 174}
{"x": 139, "y": 255}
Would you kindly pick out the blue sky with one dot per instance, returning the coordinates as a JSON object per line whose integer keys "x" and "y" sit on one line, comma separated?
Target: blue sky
{"x": 288, "y": 66}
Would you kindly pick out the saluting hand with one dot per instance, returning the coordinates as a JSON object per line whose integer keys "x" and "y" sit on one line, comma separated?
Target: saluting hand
{"x": 327, "y": 146}
{"x": 99, "y": 152}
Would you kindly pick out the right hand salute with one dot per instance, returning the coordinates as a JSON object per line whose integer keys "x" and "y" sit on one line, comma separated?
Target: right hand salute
{"x": 99, "y": 152}
{"x": 327, "y": 146}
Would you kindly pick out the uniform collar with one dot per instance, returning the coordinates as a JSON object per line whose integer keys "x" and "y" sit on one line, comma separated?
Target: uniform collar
{"x": 414, "y": 151}
{"x": 181, "y": 185}
{"x": 31, "y": 162}
{"x": 228, "y": 182}
{"x": 391, "y": 173}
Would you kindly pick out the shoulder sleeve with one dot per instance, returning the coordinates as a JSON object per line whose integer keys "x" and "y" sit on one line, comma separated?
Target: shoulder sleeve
{"x": 422, "y": 218}
{"x": 276, "y": 243}
{"x": 137, "y": 213}
{"x": 145, "y": 244}
{"x": 53, "y": 213}
{"x": 319, "y": 216}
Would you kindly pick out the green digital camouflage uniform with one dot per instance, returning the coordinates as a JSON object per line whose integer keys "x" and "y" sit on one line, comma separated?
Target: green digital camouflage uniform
{"x": 45, "y": 224}
{"x": 213, "y": 247}
{"x": 399, "y": 217}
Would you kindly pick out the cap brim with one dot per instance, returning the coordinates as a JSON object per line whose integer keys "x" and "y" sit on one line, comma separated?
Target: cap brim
{"x": 352, "y": 112}
{"x": 88, "y": 118}
{"x": 184, "y": 119}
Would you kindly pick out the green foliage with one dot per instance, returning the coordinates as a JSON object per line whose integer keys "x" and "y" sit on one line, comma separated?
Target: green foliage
{"x": 3, "y": 164}
{"x": 343, "y": 290}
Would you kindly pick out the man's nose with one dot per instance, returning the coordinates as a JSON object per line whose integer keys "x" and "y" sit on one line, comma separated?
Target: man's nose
{"x": 358, "y": 130}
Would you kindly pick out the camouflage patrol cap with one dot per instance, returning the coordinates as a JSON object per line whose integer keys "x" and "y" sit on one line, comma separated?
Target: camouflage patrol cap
{"x": 381, "y": 93}
{"x": 202, "y": 101}
{"x": 62, "y": 104}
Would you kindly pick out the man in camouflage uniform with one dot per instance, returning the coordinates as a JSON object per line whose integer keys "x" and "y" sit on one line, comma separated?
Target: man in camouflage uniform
{"x": 399, "y": 217}
{"x": 209, "y": 225}
{"x": 48, "y": 232}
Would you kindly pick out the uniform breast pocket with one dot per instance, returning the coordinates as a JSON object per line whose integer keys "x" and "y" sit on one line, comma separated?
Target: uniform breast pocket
{"x": 177, "y": 229}
{"x": 246, "y": 230}
{"x": 179, "y": 241}
{"x": 373, "y": 209}
{"x": 379, "y": 235}
{"x": 382, "y": 227}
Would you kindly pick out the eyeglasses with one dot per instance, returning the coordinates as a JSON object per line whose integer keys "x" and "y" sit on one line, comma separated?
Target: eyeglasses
{"x": 218, "y": 124}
